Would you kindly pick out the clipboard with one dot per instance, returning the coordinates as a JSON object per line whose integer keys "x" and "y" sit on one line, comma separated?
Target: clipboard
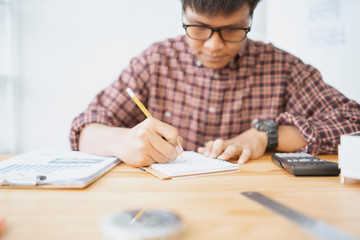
{"x": 54, "y": 169}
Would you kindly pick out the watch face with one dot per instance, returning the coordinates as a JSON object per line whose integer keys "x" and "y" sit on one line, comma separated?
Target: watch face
{"x": 270, "y": 123}
{"x": 264, "y": 125}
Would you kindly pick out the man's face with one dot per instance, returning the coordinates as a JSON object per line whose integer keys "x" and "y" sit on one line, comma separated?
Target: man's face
{"x": 214, "y": 52}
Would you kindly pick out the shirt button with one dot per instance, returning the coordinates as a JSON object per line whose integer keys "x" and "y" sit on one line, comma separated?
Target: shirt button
{"x": 198, "y": 63}
{"x": 167, "y": 114}
{"x": 211, "y": 109}
{"x": 216, "y": 76}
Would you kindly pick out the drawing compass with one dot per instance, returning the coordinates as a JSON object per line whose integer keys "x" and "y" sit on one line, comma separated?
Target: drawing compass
{"x": 142, "y": 224}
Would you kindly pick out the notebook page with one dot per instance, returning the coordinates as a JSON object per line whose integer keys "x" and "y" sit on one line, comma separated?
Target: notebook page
{"x": 193, "y": 163}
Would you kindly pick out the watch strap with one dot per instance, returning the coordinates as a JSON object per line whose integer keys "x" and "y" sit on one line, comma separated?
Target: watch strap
{"x": 270, "y": 126}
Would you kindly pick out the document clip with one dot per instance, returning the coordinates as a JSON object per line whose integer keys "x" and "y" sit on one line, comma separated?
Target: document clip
{"x": 20, "y": 179}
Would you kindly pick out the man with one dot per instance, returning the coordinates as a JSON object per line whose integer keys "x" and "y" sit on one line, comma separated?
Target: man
{"x": 227, "y": 96}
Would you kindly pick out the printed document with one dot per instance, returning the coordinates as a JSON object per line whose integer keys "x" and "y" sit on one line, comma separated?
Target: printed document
{"x": 65, "y": 169}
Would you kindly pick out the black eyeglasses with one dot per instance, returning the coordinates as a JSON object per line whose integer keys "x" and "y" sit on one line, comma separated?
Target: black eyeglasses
{"x": 228, "y": 34}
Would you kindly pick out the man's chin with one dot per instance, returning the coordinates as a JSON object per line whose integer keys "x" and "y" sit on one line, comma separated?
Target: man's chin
{"x": 213, "y": 65}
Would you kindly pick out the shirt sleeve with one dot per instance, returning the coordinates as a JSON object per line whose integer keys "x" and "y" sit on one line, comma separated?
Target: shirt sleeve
{"x": 320, "y": 112}
{"x": 113, "y": 106}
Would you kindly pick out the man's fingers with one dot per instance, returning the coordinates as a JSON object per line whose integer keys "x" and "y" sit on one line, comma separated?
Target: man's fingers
{"x": 217, "y": 148}
{"x": 201, "y": 150}
{"x": 168, "y": 132}
{"x": 162, "y": 149}
{"x": 158, "y": 156}
{"x": 148, "y": 160}
{"x": 208, "y": 148}
{"x": 245, "y": 156}
{"x": 171, "y": 135}
{"x": 140, "y": 160}
{"x": 179, "y": 149}
{"x": 164, "y": 139}
{"x": 230, "y": 152}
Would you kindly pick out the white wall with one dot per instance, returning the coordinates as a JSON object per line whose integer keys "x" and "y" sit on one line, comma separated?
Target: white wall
{"x": 323, "y": 33}
{"x": 7, "y": 82}
{"x": 68, "y": 50}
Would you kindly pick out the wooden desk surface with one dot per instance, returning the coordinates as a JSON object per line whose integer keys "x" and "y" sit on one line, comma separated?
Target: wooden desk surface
{"x": 211, "y": 207}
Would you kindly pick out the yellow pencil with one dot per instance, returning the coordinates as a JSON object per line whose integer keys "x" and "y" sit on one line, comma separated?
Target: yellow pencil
{"x": 143, "y": 109}
{"x": 137, "y": 101}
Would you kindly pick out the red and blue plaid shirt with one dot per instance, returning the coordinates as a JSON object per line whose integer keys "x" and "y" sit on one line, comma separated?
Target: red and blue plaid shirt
{"x": 205, "y": 104}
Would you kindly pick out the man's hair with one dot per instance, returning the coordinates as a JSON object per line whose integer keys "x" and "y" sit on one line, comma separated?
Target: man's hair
{"x": 212, "y": 8}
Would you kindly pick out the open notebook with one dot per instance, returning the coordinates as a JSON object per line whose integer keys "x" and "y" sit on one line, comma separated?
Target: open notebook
{"x": 193, "y": 164}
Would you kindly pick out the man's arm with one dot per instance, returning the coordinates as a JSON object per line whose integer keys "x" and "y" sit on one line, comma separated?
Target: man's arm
{"x": 315, "y": 117}
{"x": 290, "y": 139}
{"x": 148, "y": 142}
{"x": 113, "y": 125}
{"x": 252, "y": 143}
{"x": 320, "y": 112}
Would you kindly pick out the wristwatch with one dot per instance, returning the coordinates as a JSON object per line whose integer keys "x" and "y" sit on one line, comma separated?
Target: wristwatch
{"x": 270, "y": 126}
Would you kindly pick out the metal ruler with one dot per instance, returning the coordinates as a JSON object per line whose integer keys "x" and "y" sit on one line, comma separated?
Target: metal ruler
{"x": 315, "y": 228}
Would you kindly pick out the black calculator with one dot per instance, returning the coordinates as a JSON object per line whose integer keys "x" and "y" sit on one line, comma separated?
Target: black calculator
{"x": 304, "y": 164}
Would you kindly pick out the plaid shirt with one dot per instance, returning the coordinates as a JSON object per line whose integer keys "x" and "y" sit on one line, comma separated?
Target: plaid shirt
{"x": 205, "y": 104}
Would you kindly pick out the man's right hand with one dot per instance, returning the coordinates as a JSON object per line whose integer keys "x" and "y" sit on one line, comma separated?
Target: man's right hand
{"x": 148, "y": 142}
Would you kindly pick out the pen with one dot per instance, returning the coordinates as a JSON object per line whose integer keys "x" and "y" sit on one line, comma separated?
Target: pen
{"x": 144, "y": 110}
{"x": 137, "y": 216}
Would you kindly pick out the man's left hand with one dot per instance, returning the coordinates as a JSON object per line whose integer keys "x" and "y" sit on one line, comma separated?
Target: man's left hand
{"x": 250, "y": 144}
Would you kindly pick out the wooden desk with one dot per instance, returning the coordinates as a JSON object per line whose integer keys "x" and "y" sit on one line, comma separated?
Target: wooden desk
{"x": 211, "y": 206}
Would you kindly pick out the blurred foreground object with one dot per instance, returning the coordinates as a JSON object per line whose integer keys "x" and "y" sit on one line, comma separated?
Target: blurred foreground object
{"x": 349, "y": 160}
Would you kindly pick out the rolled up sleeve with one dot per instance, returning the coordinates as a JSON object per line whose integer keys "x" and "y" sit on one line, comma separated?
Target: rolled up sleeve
{"x": 321, "y": 113}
